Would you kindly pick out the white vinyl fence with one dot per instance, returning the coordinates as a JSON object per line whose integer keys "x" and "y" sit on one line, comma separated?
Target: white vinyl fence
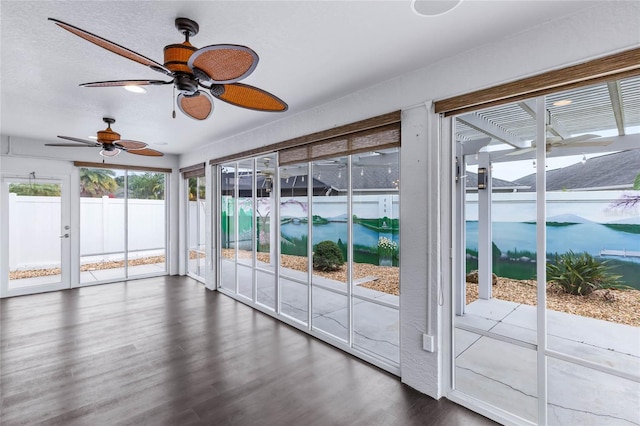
{"x": 37, "y": 221}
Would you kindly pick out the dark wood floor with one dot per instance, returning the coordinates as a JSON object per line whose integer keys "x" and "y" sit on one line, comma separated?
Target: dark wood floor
{"x": 166, "y": 351}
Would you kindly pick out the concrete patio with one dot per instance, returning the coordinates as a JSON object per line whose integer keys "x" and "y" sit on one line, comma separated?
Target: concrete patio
{"x": 504, "y": 374}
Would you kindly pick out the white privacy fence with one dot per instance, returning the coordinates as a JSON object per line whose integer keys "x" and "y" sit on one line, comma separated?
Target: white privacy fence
{"x": 35, "y": 226}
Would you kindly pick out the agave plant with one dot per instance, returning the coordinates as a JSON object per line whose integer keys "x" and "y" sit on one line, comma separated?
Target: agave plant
{"x": 580, "y": 273}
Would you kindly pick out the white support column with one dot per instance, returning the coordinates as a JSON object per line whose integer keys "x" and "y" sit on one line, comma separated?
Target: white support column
{"x": 484, "y": 230}
{"x": 541, "y": 256}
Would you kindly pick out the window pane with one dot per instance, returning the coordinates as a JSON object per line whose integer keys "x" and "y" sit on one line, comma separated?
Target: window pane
{"x": 294, "y": 235}
{"x": 146, "y": 223}
{"x": 265, "y": 232}
{"x": 35, "y": 221}
{"x": 195, "y": 223}
{"x": 375, "y": 215}
{"x": 102, "y": 225}
{"x": 228, "y": 226}
{"x": 329, "y": 212}
{"x": 246, "y": 253}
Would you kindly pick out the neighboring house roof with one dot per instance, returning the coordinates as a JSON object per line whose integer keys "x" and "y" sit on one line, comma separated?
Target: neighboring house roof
{"x": 497, "y": 184}
{"x": 612, "y": 171}
{"x": 369, "y": 178}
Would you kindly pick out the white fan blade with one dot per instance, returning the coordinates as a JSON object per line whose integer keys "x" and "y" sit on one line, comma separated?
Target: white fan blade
{"x": 521, "y": 151}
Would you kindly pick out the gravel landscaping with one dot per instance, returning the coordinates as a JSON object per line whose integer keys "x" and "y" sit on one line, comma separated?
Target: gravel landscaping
{"x": 619, "y": 306}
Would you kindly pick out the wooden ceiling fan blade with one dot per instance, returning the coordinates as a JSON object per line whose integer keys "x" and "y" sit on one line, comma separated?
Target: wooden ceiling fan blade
{"x": 129, "y": 145}
{"x": 146, "y": 151}
{"x": 249, "y": 97}
{"x": 113, "y": 47}
{"x": 120, "y": 83}
{"x": 88, "y": 143}
{"x": 198, "y": 107}
{"x": 224, "y": 63}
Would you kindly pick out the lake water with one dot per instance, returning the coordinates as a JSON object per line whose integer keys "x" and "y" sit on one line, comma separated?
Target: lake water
{"x": 336, "y": 230}
{"x": 583, "y": 237}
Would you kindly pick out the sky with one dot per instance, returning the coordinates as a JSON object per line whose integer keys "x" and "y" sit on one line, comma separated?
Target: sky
{"x": 513, "y": 170}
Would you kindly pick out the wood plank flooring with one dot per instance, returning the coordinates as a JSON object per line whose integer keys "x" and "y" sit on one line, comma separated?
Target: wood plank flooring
{"x": 165, "y": 351}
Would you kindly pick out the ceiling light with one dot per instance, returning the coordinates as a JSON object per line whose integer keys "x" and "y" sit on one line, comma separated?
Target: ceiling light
{"x": 135, "y": 89}
{"x": 433, "y": 7}
{"x": 93, "y": 137}
{"x": 112, "y": 153}
{"x": 563, "y": 102}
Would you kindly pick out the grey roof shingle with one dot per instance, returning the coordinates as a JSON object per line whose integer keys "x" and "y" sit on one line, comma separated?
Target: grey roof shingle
{"x": 612, "y": 170}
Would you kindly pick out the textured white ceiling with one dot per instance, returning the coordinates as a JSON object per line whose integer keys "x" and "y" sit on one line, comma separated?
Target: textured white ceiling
{"x": 310, "y": 53}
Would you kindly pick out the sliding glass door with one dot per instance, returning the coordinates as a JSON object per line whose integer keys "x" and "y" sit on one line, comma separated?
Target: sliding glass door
{"x": 545, "y": 307}
{"x": 316, "y": 244}
{"x": 122, "y": 224}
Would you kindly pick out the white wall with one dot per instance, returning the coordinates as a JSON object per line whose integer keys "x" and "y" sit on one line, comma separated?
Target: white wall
{"x": 604, "y": 29}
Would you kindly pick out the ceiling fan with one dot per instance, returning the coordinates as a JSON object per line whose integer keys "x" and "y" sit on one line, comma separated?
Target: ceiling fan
{"x": 216, "y": 68}
{"x": 582, "y": 141}
{"x": 110, "y": 143}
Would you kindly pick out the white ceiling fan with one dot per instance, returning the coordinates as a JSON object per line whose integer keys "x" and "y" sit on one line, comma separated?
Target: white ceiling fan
{"x": 582, "y": 141}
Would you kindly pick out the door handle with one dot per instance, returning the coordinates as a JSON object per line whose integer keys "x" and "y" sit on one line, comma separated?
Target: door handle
{"x": 64, "y": 236}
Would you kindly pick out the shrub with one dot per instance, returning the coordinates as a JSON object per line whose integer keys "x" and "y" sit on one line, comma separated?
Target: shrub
{"x": 580, "y": 274}
{"x": 327, "y": 256}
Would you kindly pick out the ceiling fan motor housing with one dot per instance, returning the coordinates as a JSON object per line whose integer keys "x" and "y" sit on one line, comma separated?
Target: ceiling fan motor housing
{"x": 108, "y": 136}
{"x": 186, "y": 83}
{"x": 176, "y": 57}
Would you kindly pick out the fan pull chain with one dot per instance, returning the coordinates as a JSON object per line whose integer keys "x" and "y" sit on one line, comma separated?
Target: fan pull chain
{"x": 174, "y": 105}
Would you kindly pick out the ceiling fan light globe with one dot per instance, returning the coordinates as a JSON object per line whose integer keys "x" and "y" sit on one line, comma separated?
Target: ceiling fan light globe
{"x": 111, "y": 153}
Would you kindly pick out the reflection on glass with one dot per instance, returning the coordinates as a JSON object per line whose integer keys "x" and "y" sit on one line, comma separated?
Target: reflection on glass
{"x": 228, "y": 226}
{"x": 294, "y": 235}
{"x": 376, "y": 273}
{"x": 146, "y": 223}
{"x": 329, "y": 212}
{"x": 102, "y": 225}
{"x": 34, "y": 212}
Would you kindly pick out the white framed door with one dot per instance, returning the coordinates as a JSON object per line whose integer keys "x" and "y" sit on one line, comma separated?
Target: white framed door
{"x": 36, "y": 248}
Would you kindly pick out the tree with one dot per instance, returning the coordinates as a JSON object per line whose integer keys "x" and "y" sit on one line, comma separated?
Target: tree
{"x": 146, "y": 186}
{"x": 629, "y": 200}
{"x": 35, "y": 189}
{"x": 95, "y": 183}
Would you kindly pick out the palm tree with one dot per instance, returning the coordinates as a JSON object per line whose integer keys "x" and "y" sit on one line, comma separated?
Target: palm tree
{"x": 146, "y": 186}
{"x": 95, "y": 183}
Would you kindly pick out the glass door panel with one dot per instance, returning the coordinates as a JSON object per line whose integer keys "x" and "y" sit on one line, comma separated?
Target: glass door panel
{"x": 102, "y": 225}
{"x": 246, "y": 234}
{"x": 376, "y": 276}
{"x": 329, "y": 212}
{"x": 195, "y": 226}
{"x": 37, "y": 251}
{"x": 146, "y": 239}
{"x": 294, "y": 241}
{"x": 496, "y": 299}
{"x": 593, "y": 257}
{"x": 266, "y": 237}
{"x": 228, "y": 226}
